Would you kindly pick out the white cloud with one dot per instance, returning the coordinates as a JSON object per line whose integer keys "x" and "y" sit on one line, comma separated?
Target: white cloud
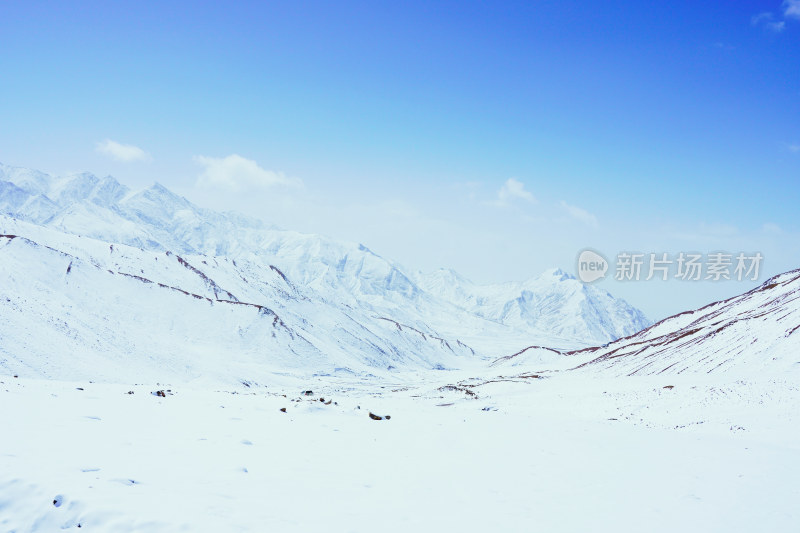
{"x": 126, "y": 153}
{"x": 579, "y": 214}
{"x": 767, "y": 20}
{"x": 791, "y": 9}
{"x": 794, "y": 148}
{"x": 765, "y": 17}
{"x": 770, "y": 227}
{"x": 511, "y": 190}
{"x": 236, "y": 173}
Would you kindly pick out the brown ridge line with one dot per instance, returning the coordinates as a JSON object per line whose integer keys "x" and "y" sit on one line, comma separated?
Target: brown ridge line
{"x": 281, "y": 274}
{"x": 210, "y": 282}
{"x": 262, "y": 309}
{"x": 771, "y": 283}
{"x": 424, "y": 335}
{"x": 508, "y": 357}
{"x": 265, "y": 310}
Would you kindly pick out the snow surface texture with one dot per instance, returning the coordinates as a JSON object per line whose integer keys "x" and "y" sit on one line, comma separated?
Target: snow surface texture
{"x": 557, "y": 454}
{"x": 553, "y": 309}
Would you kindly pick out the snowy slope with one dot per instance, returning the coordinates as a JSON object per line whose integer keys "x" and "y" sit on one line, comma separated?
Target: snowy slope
{"x": 78, "y": 308}
{"x": 751, "y": 334}
{"x": 552, "y": 310}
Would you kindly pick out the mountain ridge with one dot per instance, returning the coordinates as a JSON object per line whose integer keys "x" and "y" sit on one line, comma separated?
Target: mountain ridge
{"x": 157, "y": 219}
{"x": 756, "y": 330}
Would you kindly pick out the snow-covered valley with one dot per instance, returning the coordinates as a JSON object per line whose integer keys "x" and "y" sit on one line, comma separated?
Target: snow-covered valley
{"x": 167, "y": 368}
{"x": 550, "y": 454}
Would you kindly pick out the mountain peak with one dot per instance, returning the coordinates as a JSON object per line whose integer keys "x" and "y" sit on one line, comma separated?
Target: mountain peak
{"x": 72, "y": 188}
{"x": 551, "y": 276}
{"x": 158, "y": 197}
{"x": 158, "y": 190}
{"x": 557, "y": 273}
{"x": 108, "y": 191}
{"x": 31, "y": 181}
{"x": 451, "y": 275}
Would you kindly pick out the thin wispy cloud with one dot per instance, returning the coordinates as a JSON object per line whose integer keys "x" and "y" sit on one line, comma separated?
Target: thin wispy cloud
{"x": 237, "y": 174}
{"x": 791, "y": 9}
{"x": 761, "y": 18}
{"x": 794, "y": 148}
{"x": 127, "y": 153}
{"x": 771, "y": 22}
{"x": 767, "y": 20}
{"x": 579, "y": 214}
{"x": 513, "y": 190}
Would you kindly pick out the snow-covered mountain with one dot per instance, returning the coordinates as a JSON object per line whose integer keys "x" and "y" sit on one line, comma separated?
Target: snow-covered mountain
{"x": 555, "y": 302}
{"x": 336, "y": 300}
{"x": 79, "y": 308}
{"x": 756, "y": 333}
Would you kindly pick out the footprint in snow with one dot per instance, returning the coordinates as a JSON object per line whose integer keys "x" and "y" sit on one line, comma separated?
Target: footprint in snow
{"x": 246, "y": 442}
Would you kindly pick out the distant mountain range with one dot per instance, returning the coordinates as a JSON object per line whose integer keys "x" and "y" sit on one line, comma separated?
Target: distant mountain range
{"x": 93, "y": 268}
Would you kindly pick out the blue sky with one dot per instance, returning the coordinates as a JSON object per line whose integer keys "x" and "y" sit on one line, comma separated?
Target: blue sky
{"x": 495, "y": 138}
